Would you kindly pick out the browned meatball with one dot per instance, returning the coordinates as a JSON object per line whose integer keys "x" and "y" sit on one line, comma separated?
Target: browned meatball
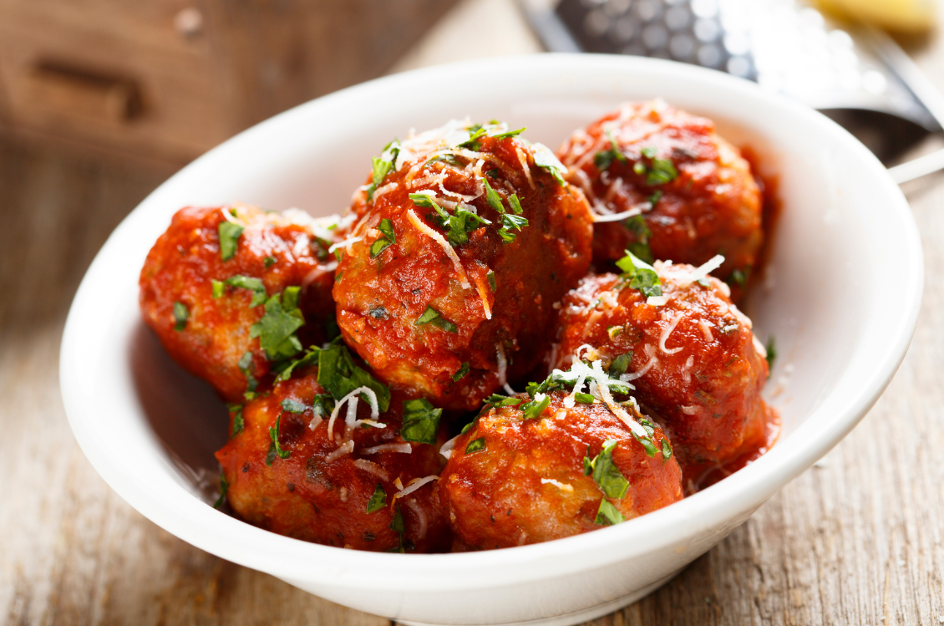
{"x": 336, "y": 487}
{"x": 203, "y": 296}
{"x": 447, "y": 285}
{"x": 519, "y": 476}
{"x": 694, "y": 362}
{"x": 695, "y": 194}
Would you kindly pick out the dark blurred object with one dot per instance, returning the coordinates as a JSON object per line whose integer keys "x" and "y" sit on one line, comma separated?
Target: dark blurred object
{"x": 169, "y": 79}
{"x": 857, "y": 76}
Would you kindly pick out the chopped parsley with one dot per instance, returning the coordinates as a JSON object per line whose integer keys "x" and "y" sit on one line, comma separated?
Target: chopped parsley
{"x": 224, "y": 488}
{"x": 277, "y": 328}
{"x": 268, "y": 261}
{"x": 432, "y": 316}
{"x": 286, "y": 367}
{"x": 386, "y": 227}
{"x": 490, "y": 276}
{"x": 739, "y": 277}
{"x": 248, "y": 283}
{"x": 641, "y": 237}
{"x": 647, "y": 440}
{"x": 506, "y": 134}
{"x": 533, "y": 409}
{"x": 245, "y": 365}
{"x": 547, "y": 160}
{"x": 492, "y": 197}
{"x": 619, "y": 365}
{"x": 640, "y": 275}
{"x": 228, "y": 233}
{"x": 516, "y": 205}
{"x": 293, "y": 406}
{"x": 654, "y": 198}
{"x": 667, "y": 450}
{"x": 217, "y": 288}
{"x": 497, "y": 400}
{"x": 420, "y": 421}
{"x": 237, "y": 419}
{"x": 462, "y": 372}
{"x": 660, "y": 171}
{"x": 604, "y": 158}
{"x": 381, "y": 166}
{"x": 581, "y": 397}
{"x": 605, "y": 472}
{"x": 607, "y": 514}
{"x": 476, "y": 445}
{"x": 771, "y": 353}
{"x": 180, "y": 316}
{"x": 378, "y": 500}
{"x": 458, "y": 225}
{"x": 274, "y": 448}
{"x": 338, "y": 374}
{"x": 397, "y": 524}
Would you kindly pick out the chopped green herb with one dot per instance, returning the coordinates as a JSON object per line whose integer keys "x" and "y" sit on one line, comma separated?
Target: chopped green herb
{"x": 516, "y": 204}
{"x": 639, "y": 167}
{"x": 228, "y": 233}
{"x": 381, "y": 166}
{"x": 654, "y": 198}
{"x": 667, "y": 450}
{"x": 604, "y": 158}
{"x": 249, "y": 283}
{"x": 492, "y": 197}
{"x": 432, "y": 316}
{"x": 245, "y": 365}
{"x": 217, "y": 287}
{"x": 276, "y": 329}
{"x": 510, "y": 221}
{"x": 619, "y": 365}
{"x": 379, "y": 246}
{"x": 739, "y": 277}
{"x": 497, "y": 400}
{"x": 771, "y": 353}
{"x": 275, "y": 449}
{"x": 180, "y": 316}
{"x": 547, "y": 160}
{"x": 641, "y": 232}
{"x": 649, "y": 152}
{"x": 533, "y": 409}
{"x": 476, "y": 445}
{"x": 378, "y": 500}
{"x": 581, "y": 397}
{"x": 475, "y": 132}
{"x": 662, "y": 171}
{"x": 268, "y": 261}
{"x": 641, "y": 275}
{"x": 237, "y": 419}
{"x": 605, "y": 472}
{"x": 462, "y": 372}
{"x": 468, "y": 427}
{"x": 322, "y": 405}
{"x": 338, "y": 374}
{"x": 647, "y": 441}
{"x": 490, "y": 276}
{"x": 224, "y": 488}
{"x": 420, "y": 421}
{"x": 607, "y": 514}
{"x": 285, "y": 368}
{"x": 508, "y": 133}
{"x": 293, "y": 406}
{"x": 424, "y": 199}
{"x": 397, "y": 524}
{"x": 387, "y": 228}
{"x": 614, "y": 331}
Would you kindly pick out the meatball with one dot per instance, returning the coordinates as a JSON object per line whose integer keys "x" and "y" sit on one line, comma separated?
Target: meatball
{"x": 694, "y": 194}
{"x": 693, "y": 361}
{"x": 520, "y": 476}
{"x": 466, "y": 238}
{"x": 292, "y": 470}
{"x": 218, "y": 271}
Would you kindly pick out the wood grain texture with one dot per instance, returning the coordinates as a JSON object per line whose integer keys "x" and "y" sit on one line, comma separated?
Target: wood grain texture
{"x": 858, "y": 539}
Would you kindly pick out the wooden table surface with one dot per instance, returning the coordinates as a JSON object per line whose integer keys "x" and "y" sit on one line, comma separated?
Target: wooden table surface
{"x": 857, "y": 539}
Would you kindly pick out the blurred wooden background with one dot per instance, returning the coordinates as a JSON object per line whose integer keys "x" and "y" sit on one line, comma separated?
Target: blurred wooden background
{"x": 858, "y": 539}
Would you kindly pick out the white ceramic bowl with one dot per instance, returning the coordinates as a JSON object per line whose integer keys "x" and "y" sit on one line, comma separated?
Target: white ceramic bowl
{"x": 842, "y": 300}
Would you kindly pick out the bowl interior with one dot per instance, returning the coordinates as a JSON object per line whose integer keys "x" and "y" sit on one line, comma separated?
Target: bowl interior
{"x": 838, "y": 339}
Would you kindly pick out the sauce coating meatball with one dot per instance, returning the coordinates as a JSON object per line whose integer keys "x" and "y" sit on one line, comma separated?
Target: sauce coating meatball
{"x": 694, "y": 194}
{"x": 512, "y": 480}
{"x": 694, "y": 362}
{"x": 332, "y": 487}
{"x": 213, "y": 275}
{"x": 466, "y": 238}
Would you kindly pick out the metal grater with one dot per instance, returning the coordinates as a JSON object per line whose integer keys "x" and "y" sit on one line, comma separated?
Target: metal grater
{"x": 862, "y": 80}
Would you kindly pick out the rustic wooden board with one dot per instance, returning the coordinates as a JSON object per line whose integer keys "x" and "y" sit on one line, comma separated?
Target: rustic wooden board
{"x": 855, "y": 540}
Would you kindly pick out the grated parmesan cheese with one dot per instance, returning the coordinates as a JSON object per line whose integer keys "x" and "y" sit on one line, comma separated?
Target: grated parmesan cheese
{"x": 371, "y": 467}
{"x": 399, "y": 447}
{"x": 415, "y": 484}
{"x": 665, "y": 334}
{"x": 423, "y": 228}
{"x": 342, "y": 450}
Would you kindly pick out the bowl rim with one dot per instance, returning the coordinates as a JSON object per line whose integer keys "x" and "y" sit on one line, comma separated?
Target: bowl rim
{"x": 189, "y": 518}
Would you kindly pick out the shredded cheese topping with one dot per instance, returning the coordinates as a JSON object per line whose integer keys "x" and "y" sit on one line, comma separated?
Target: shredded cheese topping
{"x": 371, "y": 467}
{"x": 415, "y": 484}
{"x": 344, "y": 449}
{"x": 567, "y": 487}
{"x": 352, "y": 399}
{"x": 665, "y": 334}
{"x": 399, "y": 447}
{"x": 439, "y": 239}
